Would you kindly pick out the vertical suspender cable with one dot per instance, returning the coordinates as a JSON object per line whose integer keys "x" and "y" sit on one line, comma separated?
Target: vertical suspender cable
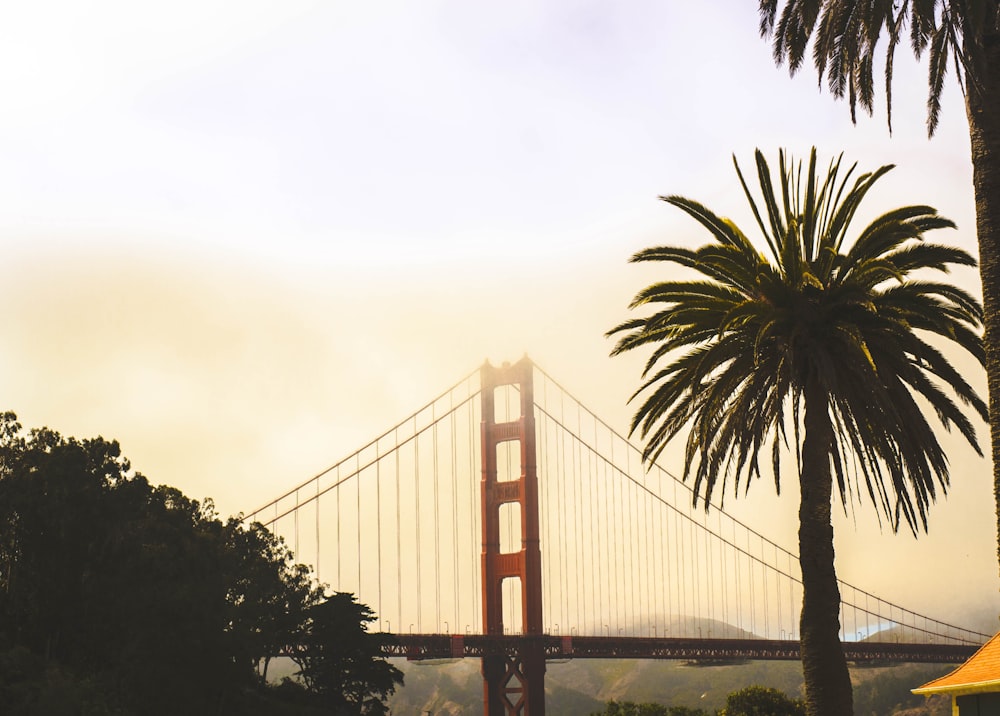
{"x": 339, "y": 554}
{"x": 577, "y": 520}
{"x": 635, "y": 553}
{"x": 777, "y": 591}
{"x": 724, "y": 549}
{"x": 476, "y": 616}
{"x": 678, "y": 565}
{"x": 551, "y": 513}
{"x": 378, "y": 523}
{"x": 592, "y": 561}
{"x": 357, "y": 481}
{"x": 697, "y": 564}
{"x": 616, "y": 486}
{"x": 767, "y": 607}
{"x": 710, "y": 571}
{"x": 399, "y": 541}
{"x": 437, "y": 528}
{"x": 630, "y": 567}
{"x": 739, "y": 585}
{"x": 547, "y": 507}
{"x": 753, "y": 606}
{"x": 843, "y": 623}
{"x": 655, "y": 555}
{"x": 316, "y": 499}
{"x": 603, "y": 552}
{"x": 791, "y": 598}
{"x": 561, "y": 469}
{"x": 724, "y": 606}
{"x": 667, "y": 556}
{"x": 295, "y": 523}
{"x": 454, "y": 516}
{"x": 582, "y": 537}
{"x": 599, "y": 562}
{"x": 868, "y": 615}
{"x": 595, "y": 567}
{"x": 594, "y": 460}
{"x": 609, "y": 540}
{"x": 656, "y": 532}
{"x": 600, "y": 481}
{"x": 636, "y": 548}
{"x": 695, "y": 573}
{"x": 650, "y": 566}
{"x": 416, "y": 491}
{"x": 621, "y": 514}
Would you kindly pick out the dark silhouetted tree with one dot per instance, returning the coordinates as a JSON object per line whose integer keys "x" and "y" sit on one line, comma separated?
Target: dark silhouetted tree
{"x": 762, "y": 701}
{"x": 120, "y": 597}
{"x": 341, "y": 661}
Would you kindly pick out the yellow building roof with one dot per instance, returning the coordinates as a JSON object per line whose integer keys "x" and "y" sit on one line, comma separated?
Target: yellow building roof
{"x": 980, "y": 671}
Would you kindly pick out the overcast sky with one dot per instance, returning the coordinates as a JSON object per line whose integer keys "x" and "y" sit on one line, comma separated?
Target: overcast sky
{"x": 245, "y": 238}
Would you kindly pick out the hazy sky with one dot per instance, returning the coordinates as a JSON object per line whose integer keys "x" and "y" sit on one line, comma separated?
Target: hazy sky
{"x": 245, "y": 238}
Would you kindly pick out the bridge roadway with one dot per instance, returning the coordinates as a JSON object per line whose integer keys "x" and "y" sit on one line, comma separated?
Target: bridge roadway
{"x": 418, "y": 647}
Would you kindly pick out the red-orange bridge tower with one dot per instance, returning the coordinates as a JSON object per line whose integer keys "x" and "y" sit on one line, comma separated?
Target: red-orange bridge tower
{"x": 512, "y": 684}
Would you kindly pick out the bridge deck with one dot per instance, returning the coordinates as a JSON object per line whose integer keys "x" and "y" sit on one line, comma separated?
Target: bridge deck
{"x": 455, "y": 646}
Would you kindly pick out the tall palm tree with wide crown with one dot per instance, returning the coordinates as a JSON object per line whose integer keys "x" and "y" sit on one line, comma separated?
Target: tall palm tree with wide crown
{"x": 813, "y": 345}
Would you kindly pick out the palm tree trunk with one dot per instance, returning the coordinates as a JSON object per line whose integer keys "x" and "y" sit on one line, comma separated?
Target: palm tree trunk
{"x": 827, "y": 680}
{"x": 983, "y": 109}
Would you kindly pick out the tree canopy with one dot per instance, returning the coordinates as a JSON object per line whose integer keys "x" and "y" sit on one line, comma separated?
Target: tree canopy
{"x": 120, "y": 597}
{"x": 334, "y": 652}
{"x": 756, "y": 700}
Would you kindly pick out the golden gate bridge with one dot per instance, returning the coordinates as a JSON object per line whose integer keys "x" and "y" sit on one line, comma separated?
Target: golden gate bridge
{"x": 504, "y": 520}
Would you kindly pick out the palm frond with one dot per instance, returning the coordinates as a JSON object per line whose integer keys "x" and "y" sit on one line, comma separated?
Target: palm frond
{"x": 845, "y": 36}
{"x": 719, "y": 228}
{"x": 735, "y": 353}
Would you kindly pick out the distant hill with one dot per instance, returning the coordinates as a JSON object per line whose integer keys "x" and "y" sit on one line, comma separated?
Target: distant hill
{"x": 581, "y": 686}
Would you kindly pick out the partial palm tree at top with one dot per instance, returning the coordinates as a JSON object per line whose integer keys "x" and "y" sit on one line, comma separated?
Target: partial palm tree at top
{"x": 819, "y": 342}
{"x": 845, "y": 35}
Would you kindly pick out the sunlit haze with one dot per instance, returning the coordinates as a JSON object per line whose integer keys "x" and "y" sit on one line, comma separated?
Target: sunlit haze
{"x": 245, "y": 238}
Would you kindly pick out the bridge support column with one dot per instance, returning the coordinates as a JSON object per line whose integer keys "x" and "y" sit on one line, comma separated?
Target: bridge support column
{"x": 512, "y": 683}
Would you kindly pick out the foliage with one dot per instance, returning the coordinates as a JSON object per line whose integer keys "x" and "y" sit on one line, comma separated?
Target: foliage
{"x": 339, "y": 658}
{"x": 270, "y": 593}
{"x": 120, "y": 597}
{"x": 107, "y": 576}
{"x": 818, "y": 340}
{"x": 749, "y": 701}
{"x": 628, "y": 708}
{"x": 29, "y": 686}
{"x": 890, "y": 691}
{"x": 845, "y": 36}
{"x": 762, "y": 701}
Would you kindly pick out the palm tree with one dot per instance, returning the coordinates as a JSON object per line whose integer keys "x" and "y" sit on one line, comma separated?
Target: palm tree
{"x": 828, "y": 344}
{"x": 964, "y": 33}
